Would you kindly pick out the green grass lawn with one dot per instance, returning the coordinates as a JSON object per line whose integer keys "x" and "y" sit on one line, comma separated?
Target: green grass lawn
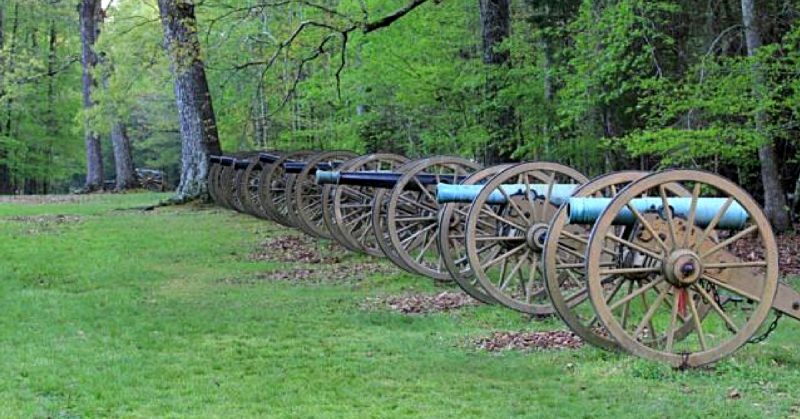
{"x": 117, "y": 312}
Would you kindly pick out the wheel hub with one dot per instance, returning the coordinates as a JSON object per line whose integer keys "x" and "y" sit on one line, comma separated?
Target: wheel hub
{"x": 536, "y": 236}
{"x": 682, "y": 268}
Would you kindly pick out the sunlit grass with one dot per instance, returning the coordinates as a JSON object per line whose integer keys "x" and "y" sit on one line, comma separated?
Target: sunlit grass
{"x": 119, "y": 312}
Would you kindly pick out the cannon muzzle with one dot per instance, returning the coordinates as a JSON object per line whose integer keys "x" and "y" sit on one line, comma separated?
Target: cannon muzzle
{"x": 226, "y": 161}
{"x": 214, "y": 159}
{"x": 241, "y": 164}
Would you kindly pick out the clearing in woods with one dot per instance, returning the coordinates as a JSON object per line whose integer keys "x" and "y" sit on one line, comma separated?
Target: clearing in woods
{"x": 198, "y": 311}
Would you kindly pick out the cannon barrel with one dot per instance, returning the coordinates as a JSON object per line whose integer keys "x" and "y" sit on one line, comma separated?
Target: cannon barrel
{"x": 379, "y": 179}
{"x": 214, "y": 159}
{"x": 298, "y": 166}
{"x": 588, "y": 210}
{"x": 226, "y": 161}
{"x": 241, "y": 164}
{"x": 268, "y": 158}
{"x": 559, "y": 193}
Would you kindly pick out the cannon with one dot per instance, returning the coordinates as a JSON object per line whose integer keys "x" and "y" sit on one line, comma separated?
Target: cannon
{"x": 506, "y": 228}
{"x": 405, "y": 218}
{"x": 304, "y": 206}
{"x": 403, "y": 212}
{"x": 355, "y": 221}
{"x": 347, "y": 206}
{"x": 451, "y": 240}
{"x": 225, "y": 178}
{"x": 213, "y": 177}
{"x": 273, "y": 192}
{"x": 679, "y": 263}
{"x": 249, "y": 183}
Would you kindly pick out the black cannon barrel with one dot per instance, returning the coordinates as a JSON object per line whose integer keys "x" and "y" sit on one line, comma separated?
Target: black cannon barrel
{"x": 241, "y": 164}
{"x": 214, "y": 159}
{"x": 298, "y": 166}
{"x": 226, "y": 161}
{"x": 268, "y": 158}
{"x": 388, "y": 180}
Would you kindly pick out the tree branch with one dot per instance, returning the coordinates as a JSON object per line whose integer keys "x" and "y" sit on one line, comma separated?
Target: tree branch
{"x": 392, "y": 17}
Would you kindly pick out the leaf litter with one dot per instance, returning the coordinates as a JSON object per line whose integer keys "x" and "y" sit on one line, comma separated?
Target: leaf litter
{"x": 421, "y": 303}
{"x": 528, "y": 341}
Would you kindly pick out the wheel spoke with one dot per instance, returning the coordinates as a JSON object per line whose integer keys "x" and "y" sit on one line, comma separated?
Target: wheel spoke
{"x": 647, "y": 227}
{"x": 648, "y": 317}
{"x": 503, "y": 256}
{"x": 634, "y": 246}
{"x": 697, "y": 324}
{"x": 710, "y": 300}
{"x": 729, "y": 241}
{"x": 668, "y": 213}
{"x": 692, "y": 214}
{"x": 731, "y": 288}
{"x": 711, "y": 225}
{"x": 673, "y": 317}
{"x": 635, "y": 294}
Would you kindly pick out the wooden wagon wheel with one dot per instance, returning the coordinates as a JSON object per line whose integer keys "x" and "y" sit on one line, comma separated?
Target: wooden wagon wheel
{"x": 564, "y": 257}
{"x": 224, "y": 182}
{"x": 273, "y": 191}
{"x": 305, "y": 199}
{"x": 249, "y": 188}
{"x": 380, "y": 214}
{"x": 452, "y": 240}
{"x": 412, "y": 213}
{"x": 504, "y": 242}
{"x": 669, "y": 247}
{"x": 348, "y": 208}
{"x": 237, "y": 182}
{"x": 213, "y": 180}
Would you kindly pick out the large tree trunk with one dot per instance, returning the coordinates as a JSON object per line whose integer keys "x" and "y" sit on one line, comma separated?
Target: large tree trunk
{"x": 198, "y": 126}
{"x": 5, "y": 184}
{"x": 90, "y": 17}
{"x": 123, "y": 158}
{"x": 495, "y": 28}
{"x": 52, "y": 121}
{"x": 774, "y": 197}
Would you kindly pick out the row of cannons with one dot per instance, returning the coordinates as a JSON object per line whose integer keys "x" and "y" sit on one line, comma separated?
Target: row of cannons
{"x": 678, "y": 266}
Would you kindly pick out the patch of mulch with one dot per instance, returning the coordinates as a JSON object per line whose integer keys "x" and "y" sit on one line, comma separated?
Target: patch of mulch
{"x": 41, "y": 199}
{"x": 340, "y": 273}
{"x": 527, "y": 341}
{"x": 43, "y": 224}
{"x": 46, "y": 219}
{"x": 422, "y": 303}
{"x": 302, "y": 249}
{"x": 788, "y": 251}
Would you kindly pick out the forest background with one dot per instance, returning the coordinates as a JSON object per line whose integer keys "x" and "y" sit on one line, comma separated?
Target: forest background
{"x": 87, "y": 87}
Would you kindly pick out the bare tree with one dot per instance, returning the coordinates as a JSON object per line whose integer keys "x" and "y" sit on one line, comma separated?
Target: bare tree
{"x": 199, "y": 137}
{"x": 774, "y": 198}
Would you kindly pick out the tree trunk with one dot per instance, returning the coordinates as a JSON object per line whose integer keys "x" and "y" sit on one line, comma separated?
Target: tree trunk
{"x": 90, "y": 17}
{"x": 198, "y": 125}
{"x": 774, "y": 197}
{"x": 52, "y": 128}
{"x": 495, "y": 17}
{"x": 123, "y": 160}
{"x": 4, "y": 172}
